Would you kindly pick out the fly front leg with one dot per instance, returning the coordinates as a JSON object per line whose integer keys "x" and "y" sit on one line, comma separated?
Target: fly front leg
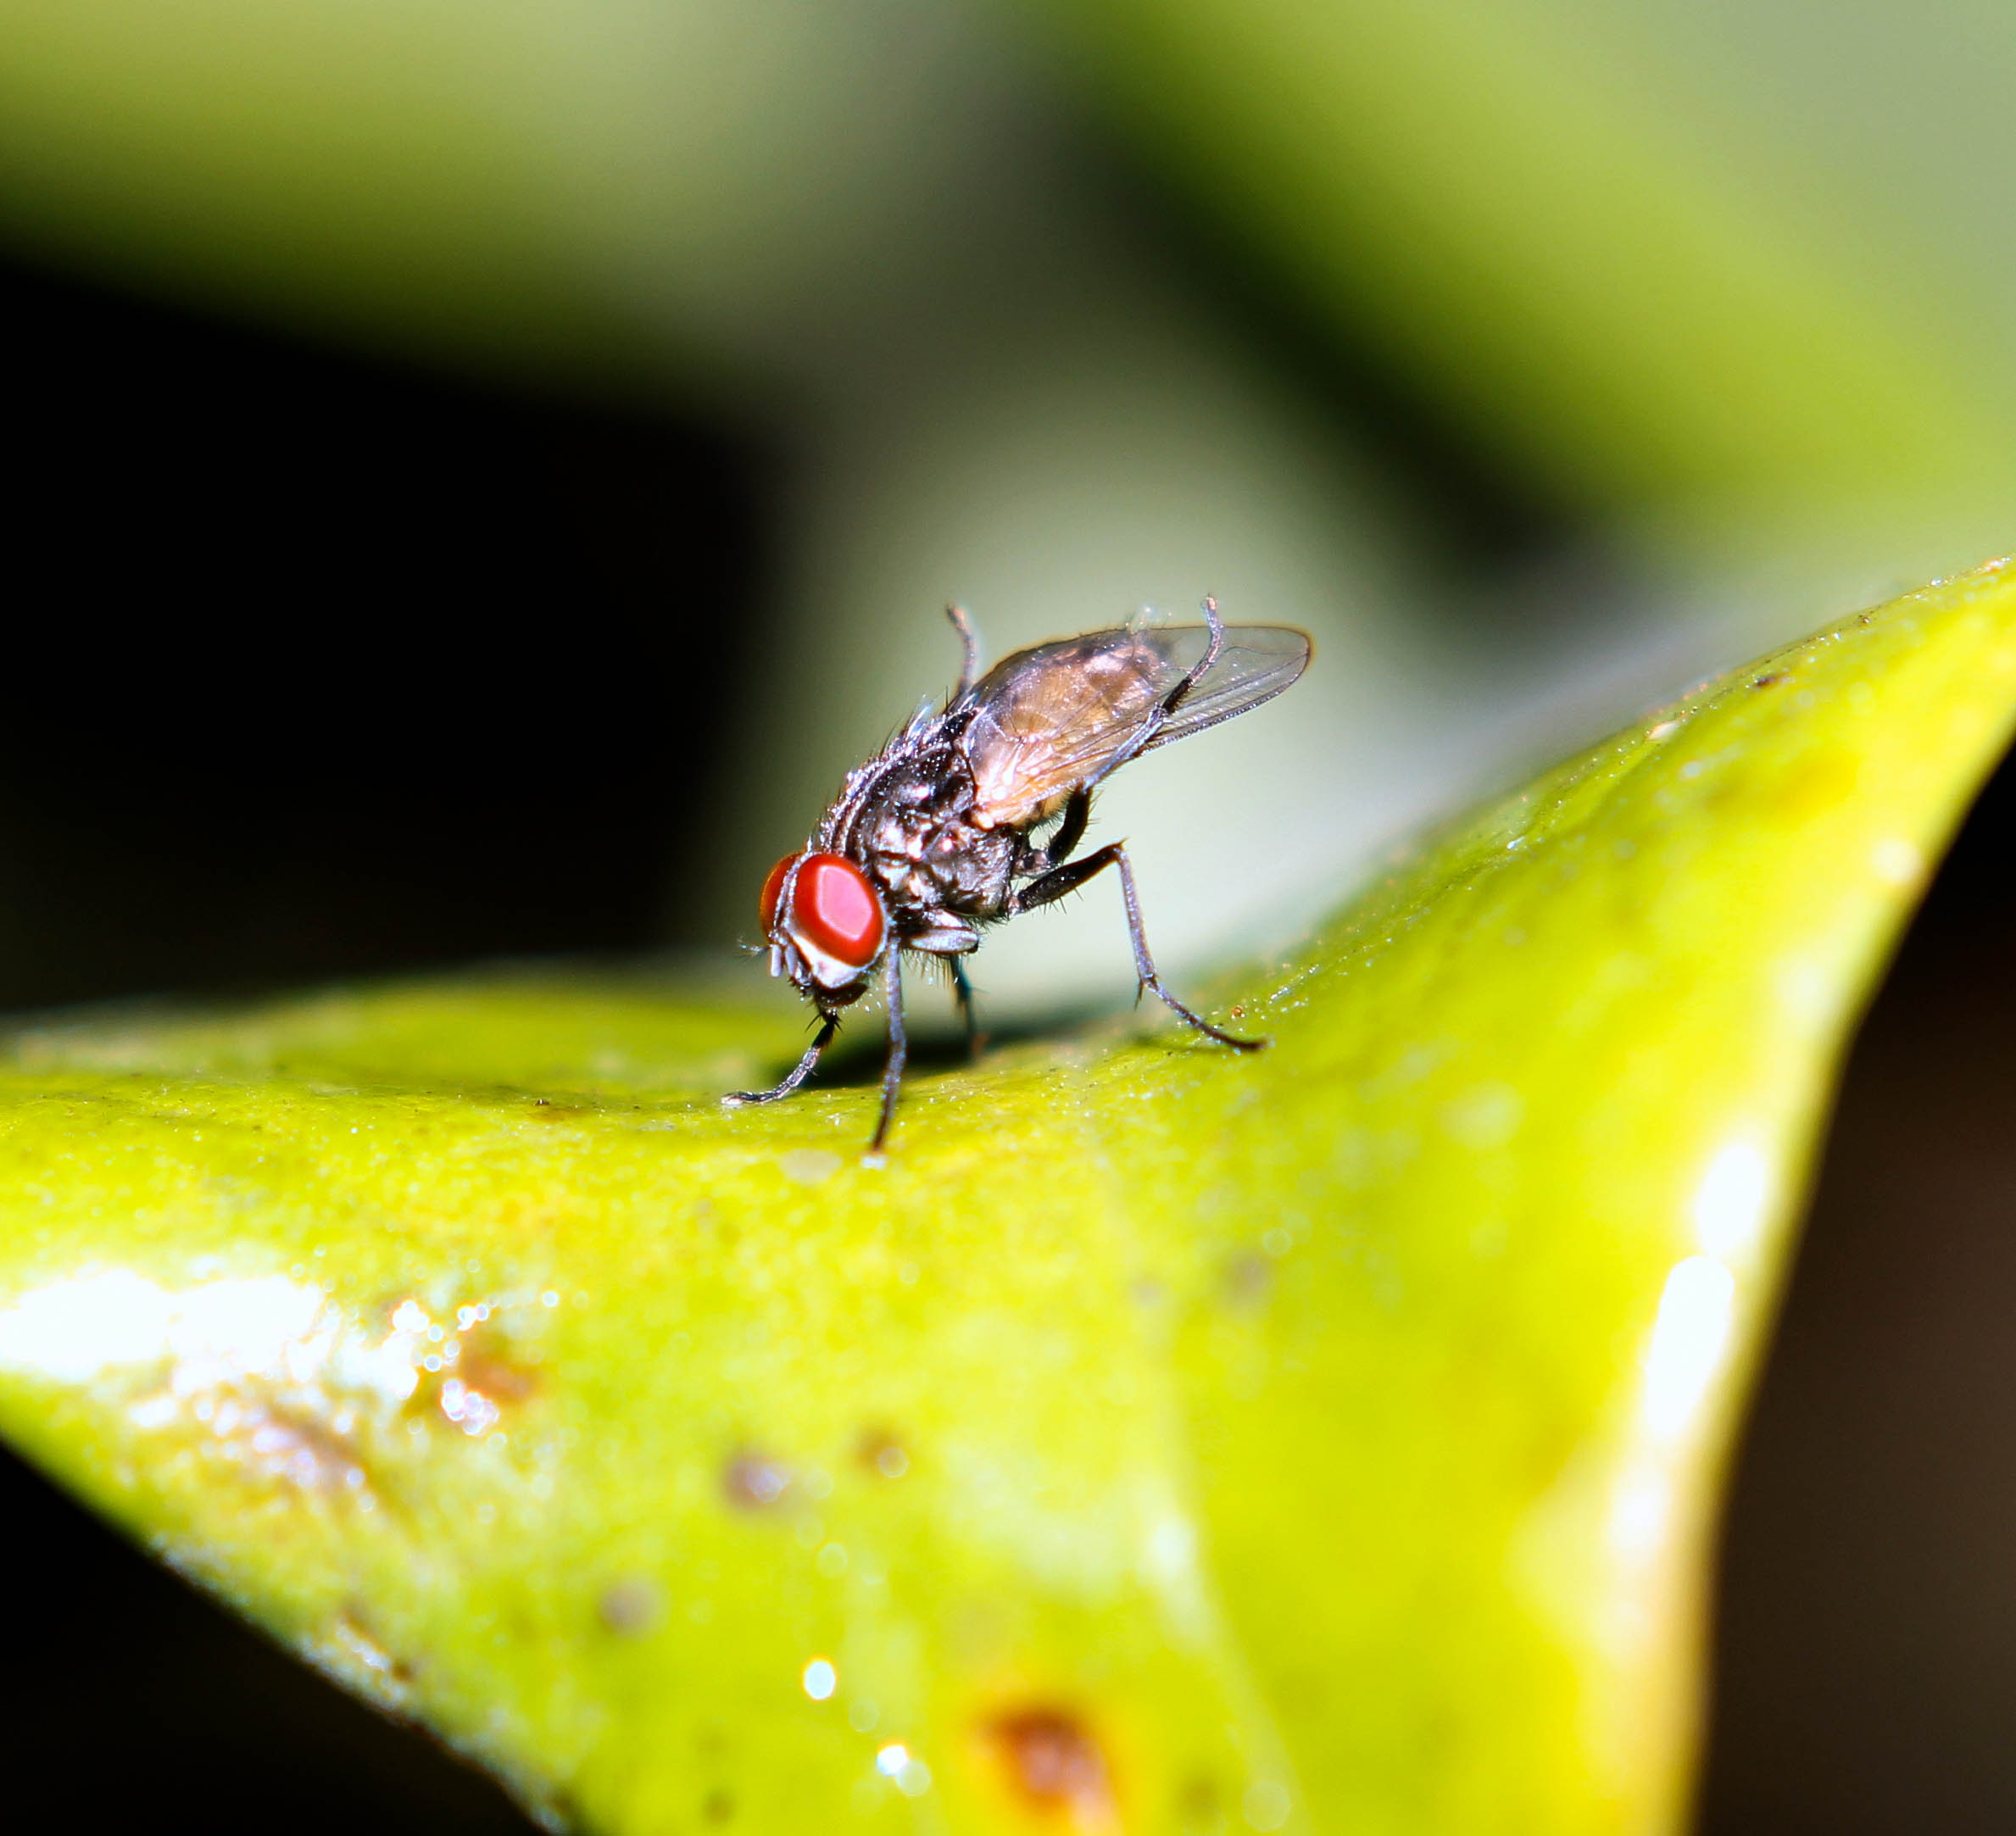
{"x": 1060, "y": 880}
{"x": 892, "y": 1069}
{"x": 828, "y": 1026}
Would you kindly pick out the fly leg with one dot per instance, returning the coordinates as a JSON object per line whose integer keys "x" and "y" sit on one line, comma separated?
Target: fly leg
{"x": 1059, "y": 881}
{"x": 1158, "y": 716}
{"x": 949, "y": 939}
{"x": 1036, "y": 862}
{"x": 1201, "y": 667}
{"x": 962, "y": 992}
{"x": 827, "y": 1027}
{"x": 1196, "y": 673}
{"x": 892, "y": 1070}
{"x": 969, "y": 670}
{"x": 1071, "y": 830}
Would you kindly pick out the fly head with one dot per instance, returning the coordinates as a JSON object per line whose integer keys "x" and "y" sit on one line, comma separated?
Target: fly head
{"x": 827, "y": 927}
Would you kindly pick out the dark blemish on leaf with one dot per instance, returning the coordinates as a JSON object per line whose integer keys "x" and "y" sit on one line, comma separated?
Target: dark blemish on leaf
{"x": 1199, "y": 1806}
{"x": 1770, "y": 681}
{"x": 1053, "y": 1765}
{"x": 754, "y": 1480}
{"x": 881, "y": 1452}
{"x": 355, "y": 1633}
{"x": 718, "y": 1807}
{"x": 1247, "y": 1279}
{"x": 630, "y": 1607}
{"x": 465, "y": 1377}
{"x": 292, "y": 1442}
{"x": 493, "y": 1374}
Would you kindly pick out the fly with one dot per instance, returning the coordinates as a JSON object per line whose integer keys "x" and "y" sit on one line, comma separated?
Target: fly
{"x": 936, "y": 837}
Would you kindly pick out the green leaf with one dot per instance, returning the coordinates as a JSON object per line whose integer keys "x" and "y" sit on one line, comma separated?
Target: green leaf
{"x": 1162, "y": 1440}
{"x": 1538, "y": 229}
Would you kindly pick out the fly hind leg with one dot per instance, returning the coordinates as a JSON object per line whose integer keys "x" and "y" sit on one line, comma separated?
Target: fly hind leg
{"x": 969, "y": 668}
{"x": 1059, "y": 881}
{"x": 949, "y": 939}
{"x": 962, "y": 992}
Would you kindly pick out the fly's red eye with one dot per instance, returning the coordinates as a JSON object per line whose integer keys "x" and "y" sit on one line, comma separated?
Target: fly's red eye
{"x": 773, "y": 884}
{"x": 835, "y": 909}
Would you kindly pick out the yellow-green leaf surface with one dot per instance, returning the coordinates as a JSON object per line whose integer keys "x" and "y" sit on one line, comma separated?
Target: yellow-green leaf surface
{"x": 1162, "y": 1440}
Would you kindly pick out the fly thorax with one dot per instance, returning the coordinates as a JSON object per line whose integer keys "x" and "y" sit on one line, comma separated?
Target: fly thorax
{"x": 916, "y": 839}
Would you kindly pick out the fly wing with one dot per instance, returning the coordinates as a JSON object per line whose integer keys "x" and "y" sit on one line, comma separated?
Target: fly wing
{"x": 1051, "y": 720}
{"x": 1255, "y": 664}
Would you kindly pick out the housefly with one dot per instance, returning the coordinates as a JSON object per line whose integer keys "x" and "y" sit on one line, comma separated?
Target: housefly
{"x": 971, "y": 814}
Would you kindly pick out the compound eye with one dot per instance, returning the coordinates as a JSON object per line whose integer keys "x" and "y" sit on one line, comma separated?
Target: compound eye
{"x": 773, "y": 886}
{"x": 835, "y": 910}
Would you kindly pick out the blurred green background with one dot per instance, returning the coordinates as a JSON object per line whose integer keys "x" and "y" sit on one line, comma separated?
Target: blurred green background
{"x": 482, "y": 472}
{"x": 1535, "y": 354}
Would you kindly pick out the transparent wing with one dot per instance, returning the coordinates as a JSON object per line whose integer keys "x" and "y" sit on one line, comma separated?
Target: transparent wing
{"x": 1063, "y": 715}
{"x": 1255, "y": 664}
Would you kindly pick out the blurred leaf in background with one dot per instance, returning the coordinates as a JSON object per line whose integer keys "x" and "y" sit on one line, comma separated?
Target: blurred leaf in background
{"x": 1707, "y": 366}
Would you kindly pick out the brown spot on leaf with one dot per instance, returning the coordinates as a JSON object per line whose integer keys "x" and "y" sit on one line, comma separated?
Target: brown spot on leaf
{"x": 718, "y": 1807}
{"x": 1201, "y": 1808}
{"x": 1247, "y": 1279}
{"x": 296, "y": 1442}
{"x": 630, "y": 1607}
{"x": 469, "y": 1376}
{"x": 754, "y": 1480}
{"x": 1770, "y": 680}
{"x": 387, "y": 1680}
{"x": 486, "y": 1368}
{"x": 881, "y": 1452}
{"x": 1054, "y": 1765}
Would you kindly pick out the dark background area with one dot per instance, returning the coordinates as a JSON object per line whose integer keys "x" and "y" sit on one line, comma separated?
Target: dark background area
{"x": 318, "y": 667}
{"x": 315, "y": 667}
{"x": 1866, "y": 1641}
